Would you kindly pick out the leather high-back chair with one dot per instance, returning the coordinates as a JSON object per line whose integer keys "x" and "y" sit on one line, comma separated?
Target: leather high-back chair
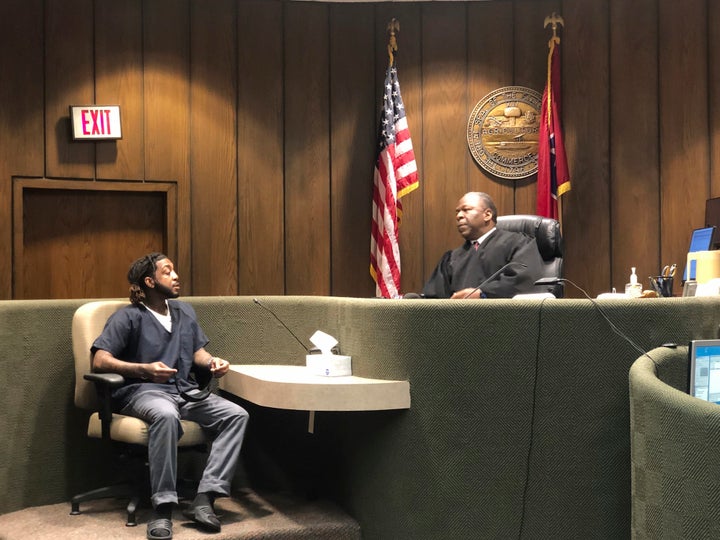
{"x": 128, "y": 435}
{"x": 546, "y": 232}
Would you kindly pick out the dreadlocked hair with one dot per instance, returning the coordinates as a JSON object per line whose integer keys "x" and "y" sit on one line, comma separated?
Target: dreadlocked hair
{"x": 139, "y": 270}
{"x": 137, "y": 295}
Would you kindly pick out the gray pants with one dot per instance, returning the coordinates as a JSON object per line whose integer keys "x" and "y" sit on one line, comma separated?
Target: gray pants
{"x": 223, "y": 421}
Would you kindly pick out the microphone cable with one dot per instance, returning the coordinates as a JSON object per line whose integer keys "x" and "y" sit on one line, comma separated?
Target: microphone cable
{"x": 532, "y": 419}
{"x": 615, "y": 329}
{"x": 612, "y": 325}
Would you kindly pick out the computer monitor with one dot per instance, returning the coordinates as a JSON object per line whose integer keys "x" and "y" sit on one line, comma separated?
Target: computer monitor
{"x": 712, "y": 216}
{"x": 704, "y": 369}
{"x": 702, "y": 239}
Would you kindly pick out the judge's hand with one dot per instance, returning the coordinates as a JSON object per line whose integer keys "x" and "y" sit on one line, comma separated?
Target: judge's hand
{"x": 467, "y": 293}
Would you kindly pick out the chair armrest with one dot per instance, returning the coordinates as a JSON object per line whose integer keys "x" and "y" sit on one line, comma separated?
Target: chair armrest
{"x": 104, "y": 383}
{"x": 109, "y": 380}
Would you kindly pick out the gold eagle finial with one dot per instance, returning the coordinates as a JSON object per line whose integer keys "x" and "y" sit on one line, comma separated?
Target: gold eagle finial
{"x": 554, "y": 20}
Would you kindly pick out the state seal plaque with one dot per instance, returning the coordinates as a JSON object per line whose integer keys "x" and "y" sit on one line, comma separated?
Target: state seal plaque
{"x": 503, "y": 131}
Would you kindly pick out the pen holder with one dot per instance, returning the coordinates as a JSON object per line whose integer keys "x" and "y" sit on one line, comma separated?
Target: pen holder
{"x": 663, "y": 285}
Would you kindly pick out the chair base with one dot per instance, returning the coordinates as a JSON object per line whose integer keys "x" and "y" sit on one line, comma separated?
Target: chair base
{"x": 186, "y": 489}
{"x": 118, "y": 491}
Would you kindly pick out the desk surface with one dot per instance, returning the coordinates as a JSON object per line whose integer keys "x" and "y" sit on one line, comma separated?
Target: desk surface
{"x": 295, "y": 388}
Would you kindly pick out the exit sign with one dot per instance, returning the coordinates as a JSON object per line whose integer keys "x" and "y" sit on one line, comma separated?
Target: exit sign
{"x": 95, "y": 122}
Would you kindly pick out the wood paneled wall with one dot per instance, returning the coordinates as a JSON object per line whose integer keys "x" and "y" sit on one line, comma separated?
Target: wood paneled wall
{"x": 264, "y": 114}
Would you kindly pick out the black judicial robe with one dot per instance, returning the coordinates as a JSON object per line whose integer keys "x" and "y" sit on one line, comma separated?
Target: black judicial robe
{"x": 464, "y": 267}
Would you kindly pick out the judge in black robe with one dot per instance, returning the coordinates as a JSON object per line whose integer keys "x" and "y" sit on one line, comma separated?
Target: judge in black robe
{"x": 461, "y": 273}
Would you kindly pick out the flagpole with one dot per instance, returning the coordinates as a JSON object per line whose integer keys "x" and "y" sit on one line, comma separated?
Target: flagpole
{"x": 393, "y": 28}
{"x": 394, "y": 176}
{"x": 553, "y": 20}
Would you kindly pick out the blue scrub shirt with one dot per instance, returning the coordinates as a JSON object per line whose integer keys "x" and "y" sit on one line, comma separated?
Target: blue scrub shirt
{"x": 133, "y": 334}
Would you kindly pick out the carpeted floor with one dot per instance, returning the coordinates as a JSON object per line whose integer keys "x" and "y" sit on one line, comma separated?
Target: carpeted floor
{"x": 247, "y": 516}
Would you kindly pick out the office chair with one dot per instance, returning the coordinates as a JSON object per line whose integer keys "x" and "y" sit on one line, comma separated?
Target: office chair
{"x": 546, "y": 232}
{"x": 127, "y": 435}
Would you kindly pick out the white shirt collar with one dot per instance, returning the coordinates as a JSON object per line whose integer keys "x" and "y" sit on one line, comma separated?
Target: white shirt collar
{"x": 484, "y": 237}
{"x": 165, "y": 320}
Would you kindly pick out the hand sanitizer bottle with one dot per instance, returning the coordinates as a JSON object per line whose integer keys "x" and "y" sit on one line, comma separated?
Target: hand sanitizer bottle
{"x": 633, "y": 289}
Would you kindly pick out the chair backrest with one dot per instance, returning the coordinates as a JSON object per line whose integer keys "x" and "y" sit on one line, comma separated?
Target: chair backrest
{"x": 546, "y": 232}
{"x": 87, "y": 324}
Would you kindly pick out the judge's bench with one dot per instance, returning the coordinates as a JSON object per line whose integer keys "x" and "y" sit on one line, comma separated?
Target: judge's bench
{"x": 518, "y": 423}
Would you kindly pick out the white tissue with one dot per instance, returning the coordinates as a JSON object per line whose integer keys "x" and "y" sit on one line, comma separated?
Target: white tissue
{"x": 326, "y": 363}
{"x": 324, "y": 342}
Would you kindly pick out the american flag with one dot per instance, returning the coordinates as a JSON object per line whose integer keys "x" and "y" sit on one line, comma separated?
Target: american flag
{"x": 395, "y": 176}
{"x": 553, "y": 172}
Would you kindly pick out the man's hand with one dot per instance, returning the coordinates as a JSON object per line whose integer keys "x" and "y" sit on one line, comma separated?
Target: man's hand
{"x": 219, "y": 367}
{"x": 158, "y": 372}
{"x": 467, "y": 293}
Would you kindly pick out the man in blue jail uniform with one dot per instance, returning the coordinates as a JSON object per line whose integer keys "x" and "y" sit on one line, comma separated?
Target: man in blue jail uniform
{"x": 154, "y": 343}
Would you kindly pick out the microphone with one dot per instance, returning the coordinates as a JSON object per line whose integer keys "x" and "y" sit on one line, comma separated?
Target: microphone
{"x": 550, "y": 281}
{"x": 494, "y": 275}
{"x": 284, "y": 325}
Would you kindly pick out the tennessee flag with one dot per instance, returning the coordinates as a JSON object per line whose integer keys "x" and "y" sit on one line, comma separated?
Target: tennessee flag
{"x": 553, "y": 174}
{"x": 395, "y": 175}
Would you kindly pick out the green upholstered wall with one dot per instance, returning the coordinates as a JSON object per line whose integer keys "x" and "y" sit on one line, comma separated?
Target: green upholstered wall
{"x": 454, "y": 465}
{"x": 43, "y": 443}
{"x": 519, "y": 424}
{"x": 580, "y": 454}
{"x": 675, "y": 459}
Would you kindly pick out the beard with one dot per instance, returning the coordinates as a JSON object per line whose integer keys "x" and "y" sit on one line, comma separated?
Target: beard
{"x": 167, "y": 292}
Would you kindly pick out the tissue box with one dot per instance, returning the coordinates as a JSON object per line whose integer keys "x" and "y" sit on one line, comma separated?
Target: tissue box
{"x": 328, "y": 365}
